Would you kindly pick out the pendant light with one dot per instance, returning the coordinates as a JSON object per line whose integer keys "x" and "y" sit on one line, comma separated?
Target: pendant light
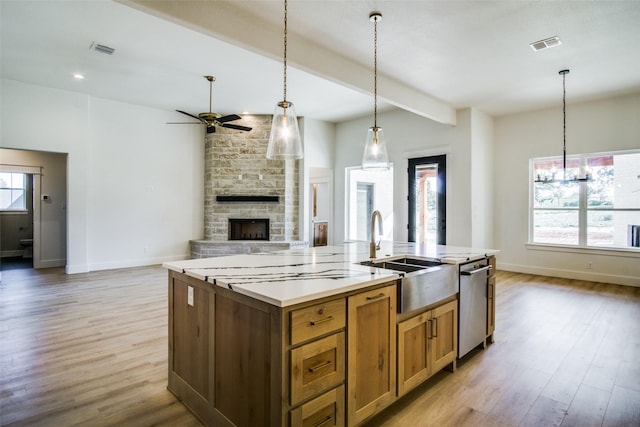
{"x": 546, "y": 179}
{"x": 284, "y": 140}
{"x": 375, "y": 150}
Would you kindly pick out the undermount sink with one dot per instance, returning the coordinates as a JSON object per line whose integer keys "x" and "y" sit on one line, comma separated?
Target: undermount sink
{"x": 405, "y": 264}
{"x": 422, "y": 282}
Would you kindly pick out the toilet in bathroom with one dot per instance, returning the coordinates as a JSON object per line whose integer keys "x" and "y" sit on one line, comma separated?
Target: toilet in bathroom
{"x": 27, "y": 244}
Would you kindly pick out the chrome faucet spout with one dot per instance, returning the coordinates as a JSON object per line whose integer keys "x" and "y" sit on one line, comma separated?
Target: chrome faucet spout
{"x": 373, "y": 246}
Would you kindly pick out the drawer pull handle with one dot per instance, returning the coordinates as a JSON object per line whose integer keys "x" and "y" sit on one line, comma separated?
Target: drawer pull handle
{"x": 324, "y": 421}
{"x": 317, "y": 322}
{"x": 318, "y": 367}
{"x": 376, "y": 297}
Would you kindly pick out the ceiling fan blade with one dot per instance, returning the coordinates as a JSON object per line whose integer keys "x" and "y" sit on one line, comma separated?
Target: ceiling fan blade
{"x": 238, "y": 127}
{"x": 191, "y": 115}
{"x": 229, "y": 118}
{"x": 184, "y": 123}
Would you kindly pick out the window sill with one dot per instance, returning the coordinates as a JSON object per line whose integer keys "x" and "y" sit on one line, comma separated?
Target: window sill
{"x": 591, "y": 250}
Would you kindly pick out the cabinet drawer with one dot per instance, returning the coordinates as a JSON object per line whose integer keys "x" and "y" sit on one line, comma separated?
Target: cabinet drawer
{"x": 311, "y": 322}
{"x": 316, "y": 367}
{"x": 323, "y": 411}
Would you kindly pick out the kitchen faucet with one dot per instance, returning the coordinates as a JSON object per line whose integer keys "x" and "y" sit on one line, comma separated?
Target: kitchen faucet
{"x": 373, "y": 246}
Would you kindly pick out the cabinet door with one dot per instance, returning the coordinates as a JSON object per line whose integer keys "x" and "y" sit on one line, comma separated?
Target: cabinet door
{"x": 372, "y": 352}
{"x": 413, "y": 366}
{"x": 443, "y": 342}
{"x": 189, "y": 352}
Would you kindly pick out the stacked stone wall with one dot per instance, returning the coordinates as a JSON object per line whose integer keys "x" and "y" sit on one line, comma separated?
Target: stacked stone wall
{"x": 236, "y": 164}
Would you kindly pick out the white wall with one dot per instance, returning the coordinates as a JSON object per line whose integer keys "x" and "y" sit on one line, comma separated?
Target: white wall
{"x": 134, "y": 184}
{"x": 316, "y": 167}
{"x": 482, "y": 168}
{"x": 606, "y": 125}
{"x": 410, "y": 136}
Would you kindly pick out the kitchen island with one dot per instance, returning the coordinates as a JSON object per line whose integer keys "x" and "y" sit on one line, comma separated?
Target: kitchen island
{"x": 305, "y": 336}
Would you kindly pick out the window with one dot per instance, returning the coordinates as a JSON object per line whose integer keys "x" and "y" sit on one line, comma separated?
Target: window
{"x": 13, "y": 194}
{"x": 368, "y": 191}
{"x": 603, "y": 211}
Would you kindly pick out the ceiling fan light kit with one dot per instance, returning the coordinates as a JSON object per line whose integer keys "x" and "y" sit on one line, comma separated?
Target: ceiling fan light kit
{"x": 284, "y": 139}
{"x": 375, "y": 155}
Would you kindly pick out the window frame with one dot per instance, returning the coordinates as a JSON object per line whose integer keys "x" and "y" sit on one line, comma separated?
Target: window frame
{"x": 583, "y": 209}
{"x": 23, "y": 188}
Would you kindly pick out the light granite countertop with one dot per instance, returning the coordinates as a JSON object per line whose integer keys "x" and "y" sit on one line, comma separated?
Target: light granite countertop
{"x": 293, "y": 276}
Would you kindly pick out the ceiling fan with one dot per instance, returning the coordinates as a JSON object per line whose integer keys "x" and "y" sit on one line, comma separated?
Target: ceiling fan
{"x": 211, "y": 120}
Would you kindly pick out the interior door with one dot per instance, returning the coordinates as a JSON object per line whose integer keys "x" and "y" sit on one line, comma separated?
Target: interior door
{"x": 428, "y": 200}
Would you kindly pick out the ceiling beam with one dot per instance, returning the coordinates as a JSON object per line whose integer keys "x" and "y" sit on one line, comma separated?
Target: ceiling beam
{"x": 223, "y": 21}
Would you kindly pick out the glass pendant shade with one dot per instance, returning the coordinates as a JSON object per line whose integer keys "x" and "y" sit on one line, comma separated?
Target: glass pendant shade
{"x": 284, "y": 140}
{"x": 375, "y": 151}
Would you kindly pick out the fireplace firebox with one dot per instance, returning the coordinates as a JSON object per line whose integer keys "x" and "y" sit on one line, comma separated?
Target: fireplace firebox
{"x": 248, "y": 228}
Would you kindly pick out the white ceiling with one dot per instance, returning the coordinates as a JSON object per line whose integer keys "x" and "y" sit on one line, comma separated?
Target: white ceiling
{"x": 433, "y": 56}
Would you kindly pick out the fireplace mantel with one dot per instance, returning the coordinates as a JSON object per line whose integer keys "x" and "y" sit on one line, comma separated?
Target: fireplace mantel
{"x": 239, "y": 198}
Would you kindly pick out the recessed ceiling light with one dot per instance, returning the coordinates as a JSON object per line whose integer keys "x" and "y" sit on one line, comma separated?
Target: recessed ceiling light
{"x": 78, "y": 76}
{"x": 546, "y": 43}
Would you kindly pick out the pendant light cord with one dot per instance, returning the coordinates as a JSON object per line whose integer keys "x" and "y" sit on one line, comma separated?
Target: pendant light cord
{"x": 285, "y": 51}
{"x": 375, "y": 72}
{"x": 564, "y": 125}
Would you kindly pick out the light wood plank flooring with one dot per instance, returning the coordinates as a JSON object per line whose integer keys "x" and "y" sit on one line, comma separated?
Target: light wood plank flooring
{"x": 91, "y": 349}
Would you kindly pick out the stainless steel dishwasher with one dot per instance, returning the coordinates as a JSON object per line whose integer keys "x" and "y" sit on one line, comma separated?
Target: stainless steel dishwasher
{"x": 472, "y": 321}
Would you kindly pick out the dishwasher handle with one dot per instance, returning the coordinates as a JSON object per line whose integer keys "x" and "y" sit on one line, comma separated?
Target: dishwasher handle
{"x": 469, "y": 273}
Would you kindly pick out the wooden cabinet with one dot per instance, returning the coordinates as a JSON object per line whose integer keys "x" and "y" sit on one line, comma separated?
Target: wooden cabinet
{"x": 316, "y": 367}
{"x": 326, "y": 410}
{"x": 371, "y": 384}
{"x": 191, "y": 308}
{"x": 491, "y": 300}
{"x": 317, "y": 364}
{"x": 238, "y": 361}
{"x": 444, "y": 336}
{"x": 310, "y": 322}
{"x": 427, "y": 343}
{"x": 413, "y": 343}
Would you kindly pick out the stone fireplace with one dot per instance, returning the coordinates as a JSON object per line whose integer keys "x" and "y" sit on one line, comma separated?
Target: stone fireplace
{"x": 241, "y": 183}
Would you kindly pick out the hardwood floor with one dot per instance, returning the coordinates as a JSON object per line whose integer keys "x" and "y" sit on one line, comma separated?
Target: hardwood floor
{"x": 91, "y": 349}
{"x": 567, "y": 353}
{"x": 86, "y": 349}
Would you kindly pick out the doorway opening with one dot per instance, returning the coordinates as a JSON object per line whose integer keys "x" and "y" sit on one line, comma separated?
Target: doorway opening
{"x": 428, "y": 200}
{"x": 368, "y": 191}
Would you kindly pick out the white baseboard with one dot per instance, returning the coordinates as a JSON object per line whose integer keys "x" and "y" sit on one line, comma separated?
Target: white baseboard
{"x": 571, "y": 274}
{"x": 141, "y": 262}
{"x": 75, "y": 269}
{"x": 49, "y": 263}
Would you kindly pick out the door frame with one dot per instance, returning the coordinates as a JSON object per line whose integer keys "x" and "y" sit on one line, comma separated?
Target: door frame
{"x": 441, "y": 160}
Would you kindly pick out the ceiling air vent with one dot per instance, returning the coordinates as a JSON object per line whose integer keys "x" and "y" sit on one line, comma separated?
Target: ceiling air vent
{"x": 546, "y": 43}
{"x": 102, "y": 48}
